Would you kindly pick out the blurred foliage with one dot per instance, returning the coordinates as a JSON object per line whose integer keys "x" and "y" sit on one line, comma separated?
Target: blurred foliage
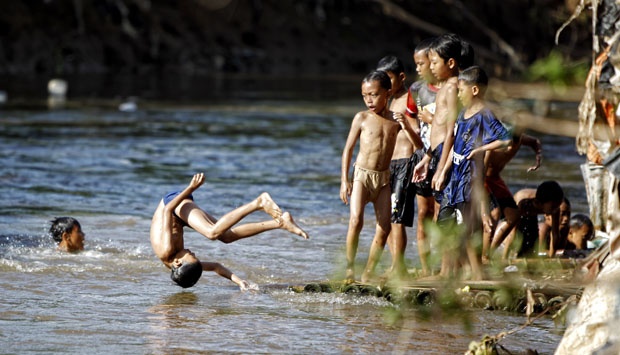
{"x": 556, "y": 70}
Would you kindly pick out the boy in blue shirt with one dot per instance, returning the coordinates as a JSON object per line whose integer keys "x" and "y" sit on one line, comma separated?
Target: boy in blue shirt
{"x": 476, "y": 131}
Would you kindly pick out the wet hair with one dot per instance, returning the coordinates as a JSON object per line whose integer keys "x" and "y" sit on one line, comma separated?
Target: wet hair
{"x": 579, "y": 220}
{"x": 381, "y": 77}
{"x": 187, "y": 274}
{"x": 62, "y": 225}
{"x": 450, "y": 45}
{"x": 467, "y": 55}
{"x": 424, "y": 45}
{"x": 549, "y": 191}
{"x": 566, "y": 201}
{"x": 475, "y": 76}
{"x": 392, "y": 64}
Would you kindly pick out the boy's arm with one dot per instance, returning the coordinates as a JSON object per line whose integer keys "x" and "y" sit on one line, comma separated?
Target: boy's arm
{"x": 224, "y": 272}
{"x": 554, "y": 238}
{"x": 196, "y": 182}
{"x": 451, "y": 116}
{"x": 347, "y": 155}
{"x": 440, "y": 175}
{"x": 496, "y": 144}
{"x": 536, "y": 146}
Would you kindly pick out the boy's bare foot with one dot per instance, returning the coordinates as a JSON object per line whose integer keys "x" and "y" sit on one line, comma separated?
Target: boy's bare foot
{"x": 349, "y": 275}
{"x": 269, "y": 206}
{"x": 290, "y": 225}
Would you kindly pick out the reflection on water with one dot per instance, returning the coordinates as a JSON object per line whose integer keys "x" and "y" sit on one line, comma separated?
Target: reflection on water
{"x": 109, "y": 169}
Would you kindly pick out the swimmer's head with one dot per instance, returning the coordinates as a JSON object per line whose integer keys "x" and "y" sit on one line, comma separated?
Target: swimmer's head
{"x": 550, "y": 195}
{"x": 67, "y": 232}
{"x": 186, "y": 270}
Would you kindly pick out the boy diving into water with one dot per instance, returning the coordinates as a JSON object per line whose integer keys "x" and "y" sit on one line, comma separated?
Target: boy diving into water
{"x": 178, "y": 209}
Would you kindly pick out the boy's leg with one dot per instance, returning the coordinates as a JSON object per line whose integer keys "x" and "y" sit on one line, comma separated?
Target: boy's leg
{"x": 511, "y": 217}
{"x": 357, "y": 203}
{"x": 426, "y": 212}
{"x": 222, "y": 229}
{"x": 382, "y": 214}
{"x": 473, "y": 237}
{"x": 397, "y": 241}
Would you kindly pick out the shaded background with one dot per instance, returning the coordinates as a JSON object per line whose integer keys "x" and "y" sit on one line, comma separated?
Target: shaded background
{"x": 163, "y": 40}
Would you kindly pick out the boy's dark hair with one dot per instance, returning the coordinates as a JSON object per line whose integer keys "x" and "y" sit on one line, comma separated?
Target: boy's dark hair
{"x": 392, "y": 64}
{"x": 448, "y": 46}
{"x": 187, "y": 274}
{"x": 62, "y": 225}
{"x": 566, "y": 201}
{"x": 467, "y": 55}
{"x": 549, "y": 191}
{"x": 424, "y": 45}
{"x": 579, "y": 220}
{"x": 381, "y": 77}
{"x": 474, "y": 76}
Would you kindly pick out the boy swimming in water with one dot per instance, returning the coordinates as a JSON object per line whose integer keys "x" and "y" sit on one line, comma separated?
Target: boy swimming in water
{"x": 67, "y": 232}
{"x": 178, "y": 209}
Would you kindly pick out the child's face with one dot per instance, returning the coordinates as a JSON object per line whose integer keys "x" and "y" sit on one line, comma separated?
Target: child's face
{"x": 564, "y": 214}
{"x": 442, "y": 70}
{"x": 423, "y": 66}
{"x": 375, "y": 96}
{"x": 75, "y": 239}
{"x": 397, "y": 80}
{"x": 579, "y": 236}
{"x": 466, "y": 93}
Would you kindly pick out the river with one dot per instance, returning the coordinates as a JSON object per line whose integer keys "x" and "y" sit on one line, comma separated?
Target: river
{"x": 109, "y": 169}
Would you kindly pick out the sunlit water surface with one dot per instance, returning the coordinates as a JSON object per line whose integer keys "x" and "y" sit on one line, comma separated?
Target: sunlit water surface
{"x": 109, "y": 169}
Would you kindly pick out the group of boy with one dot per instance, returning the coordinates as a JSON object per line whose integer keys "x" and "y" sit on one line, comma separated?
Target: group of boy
{"x": 423, "y": 145}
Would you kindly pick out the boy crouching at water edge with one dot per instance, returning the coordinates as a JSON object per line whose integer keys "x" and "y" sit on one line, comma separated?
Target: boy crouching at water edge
{"x": 67, "y": 232}
{"x": 177, "y": 210}
{"x": 376, "y": 129}
{"x": 477, "y": 130}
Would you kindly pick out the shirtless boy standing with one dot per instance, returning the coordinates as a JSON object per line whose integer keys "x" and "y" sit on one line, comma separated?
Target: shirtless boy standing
{"x": 376, "y": 129}
{"x": 403, "y": 190}
{"x": 177, "y": 209}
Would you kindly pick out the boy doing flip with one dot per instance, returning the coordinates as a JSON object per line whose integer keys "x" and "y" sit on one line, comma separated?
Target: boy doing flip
{"x": 177, "y": 209}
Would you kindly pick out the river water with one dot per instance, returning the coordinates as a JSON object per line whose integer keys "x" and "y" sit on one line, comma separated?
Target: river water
{"x": 109, "y": 169}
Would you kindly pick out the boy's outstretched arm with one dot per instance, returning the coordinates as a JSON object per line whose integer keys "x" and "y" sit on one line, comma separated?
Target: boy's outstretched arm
{"x": 536, "y": 146}
{"x": 224, "y": 272}
{"x": 496, "y": 144}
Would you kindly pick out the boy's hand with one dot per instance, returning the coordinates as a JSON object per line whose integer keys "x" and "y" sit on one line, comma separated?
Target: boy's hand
{"x": 419, "y": 172}
{"x": 245, "y": 286}
{"x": 197, "y": 181}
{"x": 425, "y": 116}
{"x": 438, "y": 181}
{"x": 400, "y": 118}
{"x": 345, "y": 191}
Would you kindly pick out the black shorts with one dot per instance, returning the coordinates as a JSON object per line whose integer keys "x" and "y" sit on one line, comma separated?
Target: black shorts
{"x": 403, "y": 191}
{"x": 501, "y": 203}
